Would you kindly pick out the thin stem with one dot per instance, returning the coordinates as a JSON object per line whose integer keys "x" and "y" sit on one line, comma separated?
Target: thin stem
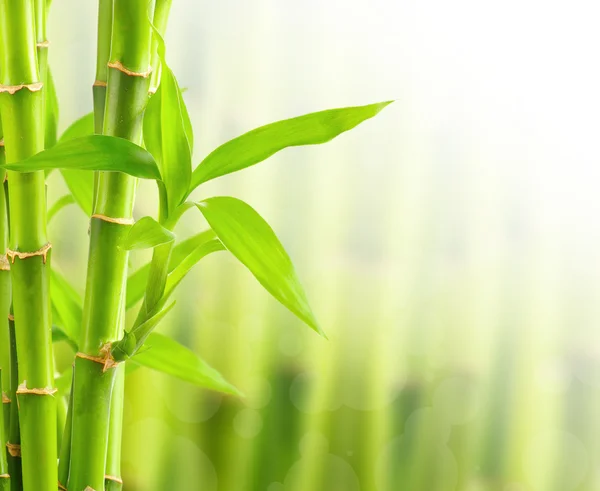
{"x": 14, "y": 433}
{"x": 23, "y": 124}
{"x": 4, "y": 475}
{"x": 107, "y": 265}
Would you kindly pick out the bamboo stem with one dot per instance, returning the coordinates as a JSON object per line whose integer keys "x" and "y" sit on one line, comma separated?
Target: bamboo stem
{"x": 14, "y": 435}
{"x": 127, "y": 93}
{"x": 23, "y": 124}
{"x": 4, "y": 474}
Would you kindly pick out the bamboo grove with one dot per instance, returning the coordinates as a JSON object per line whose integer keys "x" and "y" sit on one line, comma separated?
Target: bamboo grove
{"x": 63, "y": 430}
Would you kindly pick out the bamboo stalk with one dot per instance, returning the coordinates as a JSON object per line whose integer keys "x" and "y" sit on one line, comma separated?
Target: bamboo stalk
{"x": 127, "y": 93}
{"x": 4, "y": 298}
{"x": 23, "y": 124}
{"x": 4, "y": 475}
{"x": 14, "y": 434}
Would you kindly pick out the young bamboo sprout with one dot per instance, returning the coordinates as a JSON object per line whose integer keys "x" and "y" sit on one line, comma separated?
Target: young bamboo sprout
{"x": 21, "y": 89}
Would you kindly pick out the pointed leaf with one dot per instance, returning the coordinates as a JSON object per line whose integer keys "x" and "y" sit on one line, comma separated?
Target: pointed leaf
{"x": 96, "y": 152}
{"x": 65, "y": 200}
{"x": 252, "y": 241}
{"x": 147, "y": 233}
{"x": 51, "y": 126}
{"x": 166, "y": 128}
{"x": 80, "y": 182}
{"x": 66, "y": 305}
{"x": 84, "y": 126}
{"x": 168, "y": 356}
{"x": 259, "y": 144}
{"x": 183, "y": 268}
{"x": 136, "y": 283}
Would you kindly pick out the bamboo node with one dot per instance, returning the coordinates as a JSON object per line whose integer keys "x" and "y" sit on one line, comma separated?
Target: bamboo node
{"x": 61, "y": 486}
{"x": 14, "y": 449}
{"x": 1, "y": 142}
{"x": 118, "y": 221}
{"x": 116, "y": 479}
{"x": 4, "y": 476}
{"x": 42, "y": 251}
{"x": 119, "y": 66}
{"x": 106, "y": 359}
{"x": 46, "y": 391}
{"x": 5, "y": 398}
{"x": 152, "y": 90}
{"x": 11, "y": 89}
{"x": 4, "y": 264}
{"x": 43, "y": 44}
{"x": 11, "y": 317}
{"x": 89, "y": 488}
{"x": 99, "y": 83}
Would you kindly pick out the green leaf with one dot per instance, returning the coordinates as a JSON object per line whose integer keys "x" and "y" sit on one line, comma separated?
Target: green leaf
{"x": 183, "y": 268}
{"x": 84, "y": 126}
{"x": 81, "y": 185}
{"x": 60, "y": 203}
{"x": 166, "y": 133}
{"x": 66, "y": 305}
{"x": 168, "y": 356}
{"x": 51, "y": 126}
{"x": 96, "y": 152}
{"x": 59, "y": 335}
{"x": 80, "y": 182}
{"x": 63, "y": 381}
{"x": 147, "y": 233}
{"x": 259, "y": 144}
{"x": 252, "y": 241}
{"x": 136, "y": 283}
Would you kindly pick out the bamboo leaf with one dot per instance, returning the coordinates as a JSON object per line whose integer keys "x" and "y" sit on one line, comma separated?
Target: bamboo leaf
{"x": 183, "y": 268}
{"x": 167, "y": 130}
{"x": 66, "y": 305}
{"x": 136, "y": 283}
{"x": 80, "y": 182}
{"x": 63, "y": 381}
{"x": 252, "y": 241}
{"x": 259, "y": 144}
{"x": 51, "y": 125}
{"x": 168, "y": 356}
{"x": 60, "y": 203}
{"x": 95, "y": 152}
{"x": 59, "y": 335}
{"x": 83, "y": 126}
{"x": 147, "y": 233}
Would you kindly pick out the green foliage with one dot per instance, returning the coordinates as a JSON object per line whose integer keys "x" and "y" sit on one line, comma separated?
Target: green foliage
{"x": 147, "y": 233}
{"x": 66, "y": 305}
{"x": 252, "y": 241}
{"x": 80, "y": 182}
{"x": 168, "y": 133}
{"x": 51, "y": 125}
{"x": 168, "y": 356}
{"x": 96, "y": 152}
{"x": 62, "y": 202}
{"x": 136, "y": 283}
{"x": 259, "y": 144}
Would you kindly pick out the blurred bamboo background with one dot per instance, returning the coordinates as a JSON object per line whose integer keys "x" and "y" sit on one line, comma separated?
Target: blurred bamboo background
{"x": 449, "y": 248}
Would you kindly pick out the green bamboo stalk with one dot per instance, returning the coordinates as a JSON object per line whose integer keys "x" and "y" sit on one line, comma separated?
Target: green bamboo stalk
{"x": 160, "y": 258}
{"x": 127, "y": 93}
{"x": 14, "y": 435}
{"x": 65, "y": 449}
{"x": 103, "y": 53}
{"x": 113, "y": 481}
{"x": 4, "y": 298}
{"x": 23, "y": 124}
{"x": 4, "y": 475}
